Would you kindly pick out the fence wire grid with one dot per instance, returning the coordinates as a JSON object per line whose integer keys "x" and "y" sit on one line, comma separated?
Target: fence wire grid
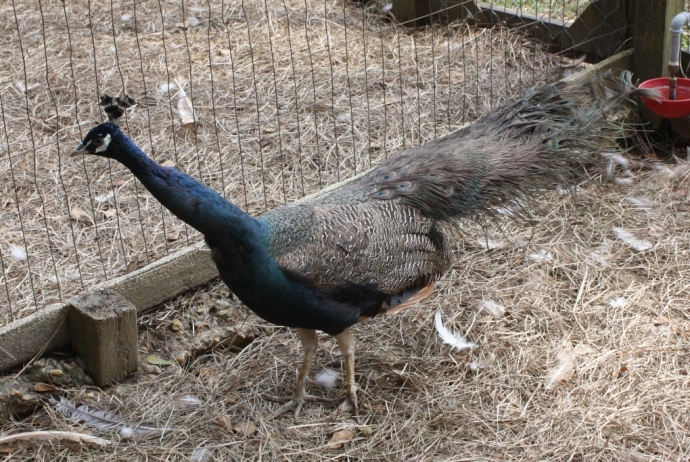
{"x": 289, "y": 96}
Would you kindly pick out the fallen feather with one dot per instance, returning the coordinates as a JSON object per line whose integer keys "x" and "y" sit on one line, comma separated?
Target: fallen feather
{"x": 168, "y": 87}
{"x": 631, "y": 241}
{"x": 102, "y": 420}
{"x": 105, "y": 197}
{"x": 565, "y": 365}
{"x": 492, "y": 307}
{"x": 17, "y": 253}
{"x": 618, "y": 302}
{"x": 327, "y": 378}
{"x": 542, "y": 255}
{"x": 185, "y": 401}
{"x": 457, "y": 341}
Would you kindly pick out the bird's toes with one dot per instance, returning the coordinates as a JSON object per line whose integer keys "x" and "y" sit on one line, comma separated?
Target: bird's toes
{"x": 295, "y": 404}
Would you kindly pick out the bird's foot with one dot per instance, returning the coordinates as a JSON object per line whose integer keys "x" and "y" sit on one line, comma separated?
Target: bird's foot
{"x": 295, "y": 404}
{"x": 348, "y": 406}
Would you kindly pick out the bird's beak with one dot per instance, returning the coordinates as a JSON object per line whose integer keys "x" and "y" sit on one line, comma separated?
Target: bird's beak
{"x": 81, "y": 149}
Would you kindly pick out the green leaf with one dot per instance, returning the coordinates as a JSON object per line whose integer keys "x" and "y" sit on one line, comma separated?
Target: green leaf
{"x": 365, "y": 430}
{"x": 158, "y": 361}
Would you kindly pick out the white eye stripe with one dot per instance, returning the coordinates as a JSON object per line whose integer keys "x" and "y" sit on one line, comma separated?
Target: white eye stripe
{"x": 104, "y": 146}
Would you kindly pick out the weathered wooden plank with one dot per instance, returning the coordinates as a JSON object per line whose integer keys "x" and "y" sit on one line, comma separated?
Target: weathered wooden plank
{"x": 621, "y": 61}
{"x": 24, "y": 338}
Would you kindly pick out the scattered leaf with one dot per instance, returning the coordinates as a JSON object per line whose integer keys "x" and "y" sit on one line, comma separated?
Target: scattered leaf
{"x": 365, "y": 430}
{"x": 244, "y": 429}
{"x": 109, "y": 213}
{"x": 173, "y": 234}
{"x": 158, "y": 361}
{"x": 205, "y": 370}
{"x": 79, "y": 215}
{"x": 224, "y": 422}
{"x": 339, "y": 438}
{"x": 44, "y": 388}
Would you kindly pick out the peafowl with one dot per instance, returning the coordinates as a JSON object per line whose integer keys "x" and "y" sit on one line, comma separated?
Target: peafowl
{"x": 378, "y": 244}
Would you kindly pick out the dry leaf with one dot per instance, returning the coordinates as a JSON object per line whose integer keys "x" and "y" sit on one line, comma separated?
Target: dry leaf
{"x": 109, "y": 213}
{"x": 244, "y": 428}
{"x": 168, "y": 163}
{"x": 339, "y": 438}
{"x": 79, "y": 215}
{"x": 185, "y": 109}
{"x": 158, "y": 361}
{"x": 223, "y": 421}
{"x": 173, "y": 234}
{"x": 44, "y": 387}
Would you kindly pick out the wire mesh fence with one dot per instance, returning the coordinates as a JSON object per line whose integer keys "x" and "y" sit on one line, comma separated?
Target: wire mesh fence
{"x": 287, "y": 97}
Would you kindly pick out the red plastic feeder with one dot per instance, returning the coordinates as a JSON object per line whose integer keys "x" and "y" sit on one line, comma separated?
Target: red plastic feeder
{"x": 664, "y": 107}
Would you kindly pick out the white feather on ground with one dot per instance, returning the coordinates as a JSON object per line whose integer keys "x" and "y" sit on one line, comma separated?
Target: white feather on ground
{"x": 618, "y": 302}
{"x": 565, "y": 365}
{"x": 456, "y": 340}
{"x": 327, "y": 378}
{"x": 631, "y": 240}
{"x": 17, "y": 253}
{"x": 492, "y": 307}
{"x": 542, "y": 255}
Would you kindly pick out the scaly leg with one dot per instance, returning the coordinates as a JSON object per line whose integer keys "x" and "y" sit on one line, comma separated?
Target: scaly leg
{"x": 346, "y": 342}
{"x": 300, "y": 396}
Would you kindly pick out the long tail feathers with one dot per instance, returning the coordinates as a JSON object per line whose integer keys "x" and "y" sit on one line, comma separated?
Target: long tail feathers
{"x": 539, "y": 142}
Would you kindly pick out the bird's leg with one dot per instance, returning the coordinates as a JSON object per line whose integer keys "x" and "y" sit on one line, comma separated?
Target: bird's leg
{"x": 346, "y": 342}
{"x": 300, "y": 396}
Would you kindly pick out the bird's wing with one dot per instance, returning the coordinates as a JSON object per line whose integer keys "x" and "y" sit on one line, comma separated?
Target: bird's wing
{"x": 376, "y": 245}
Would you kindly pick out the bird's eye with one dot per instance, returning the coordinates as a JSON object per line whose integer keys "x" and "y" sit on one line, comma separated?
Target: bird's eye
{"x": 97, "y": 141}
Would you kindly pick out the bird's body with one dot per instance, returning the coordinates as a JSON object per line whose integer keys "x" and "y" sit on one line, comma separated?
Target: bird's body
{"x": 378, "y": 243}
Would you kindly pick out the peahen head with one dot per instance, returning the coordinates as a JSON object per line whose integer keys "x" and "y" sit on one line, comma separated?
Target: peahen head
{"x": 103, "y": 140}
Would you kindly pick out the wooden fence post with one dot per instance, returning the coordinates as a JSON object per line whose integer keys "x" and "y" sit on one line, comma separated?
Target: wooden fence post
{"x": 103, "y": 332}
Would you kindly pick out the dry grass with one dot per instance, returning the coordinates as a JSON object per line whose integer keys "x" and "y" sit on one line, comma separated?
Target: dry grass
{"x": 286, "y": 105}
{"x": 623, "y": 311}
